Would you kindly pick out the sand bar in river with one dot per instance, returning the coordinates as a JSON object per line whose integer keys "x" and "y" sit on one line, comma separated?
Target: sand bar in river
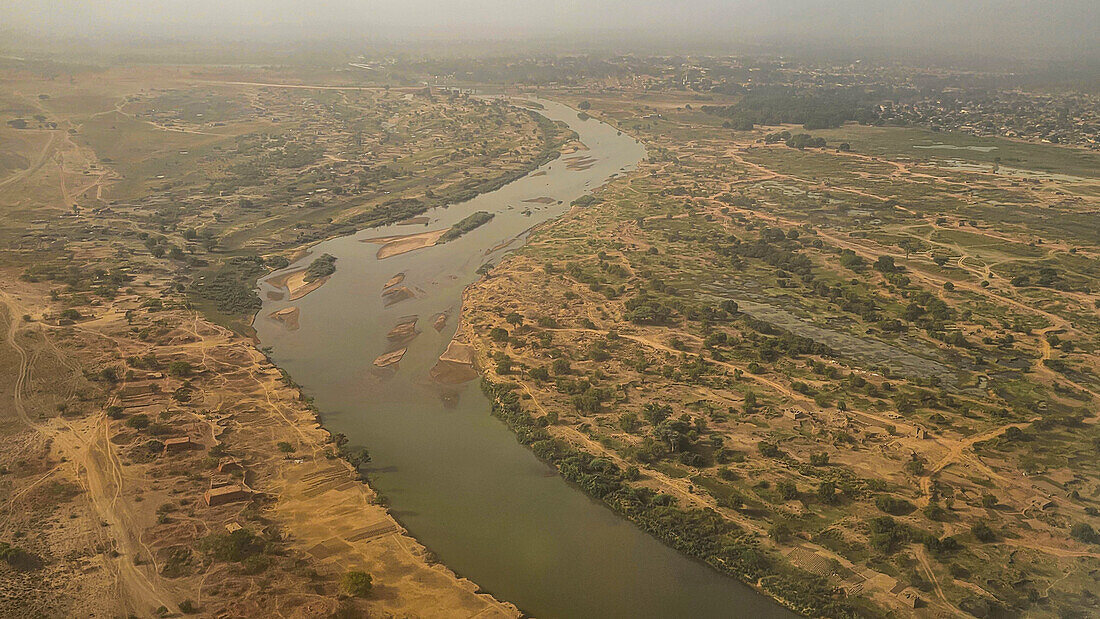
{"x": 400, "y": 244}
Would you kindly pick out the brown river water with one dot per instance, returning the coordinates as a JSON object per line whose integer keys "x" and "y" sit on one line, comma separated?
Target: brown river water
{"x": 454, "y": 475}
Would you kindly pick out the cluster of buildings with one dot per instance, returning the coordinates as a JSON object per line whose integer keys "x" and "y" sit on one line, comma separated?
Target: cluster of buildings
{"x": 1072, "y": 119}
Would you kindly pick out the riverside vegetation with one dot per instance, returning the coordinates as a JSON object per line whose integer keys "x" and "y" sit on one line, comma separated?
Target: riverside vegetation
{"x": 157, "y": 462}
{"x": 855, "y": 373}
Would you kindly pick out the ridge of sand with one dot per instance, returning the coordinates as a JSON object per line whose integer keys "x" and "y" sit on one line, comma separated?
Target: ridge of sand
{"x": 288, "y": 316}
{"x": 390, "y": 358}
{"x": 393, "y": 281}
{"x": 404, "y": 243}
{"x": 440, "y": 321}
{"x": 294, "y": 282}
{"x": 455, "y": 365}
{"x": 397, "y": 294}
{"x": 404, "y": 331}
{"x": 580, "y": 163}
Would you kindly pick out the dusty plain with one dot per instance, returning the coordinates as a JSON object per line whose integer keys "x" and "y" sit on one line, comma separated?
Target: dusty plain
{"x": 862, "y": 377}
{"x": 156, "y": 463}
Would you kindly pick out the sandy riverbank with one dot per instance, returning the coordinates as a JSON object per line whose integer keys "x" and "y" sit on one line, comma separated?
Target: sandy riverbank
{"x": 456, "y": 364}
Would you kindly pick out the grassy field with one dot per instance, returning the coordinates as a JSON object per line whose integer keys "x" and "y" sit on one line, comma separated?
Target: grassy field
{"x": 922, "y": 144}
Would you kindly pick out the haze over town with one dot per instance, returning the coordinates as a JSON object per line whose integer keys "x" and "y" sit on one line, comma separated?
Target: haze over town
{"x": 1044, "y": 29}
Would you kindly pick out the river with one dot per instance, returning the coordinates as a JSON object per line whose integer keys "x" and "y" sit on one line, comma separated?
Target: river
{"x": 454, "y": 475}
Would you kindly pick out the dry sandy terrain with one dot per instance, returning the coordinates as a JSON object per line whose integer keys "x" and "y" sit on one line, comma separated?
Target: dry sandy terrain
{"x": 324, "y": 519}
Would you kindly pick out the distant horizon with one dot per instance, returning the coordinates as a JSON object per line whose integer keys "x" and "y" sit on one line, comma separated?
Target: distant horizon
{"x": 992, "y": 29}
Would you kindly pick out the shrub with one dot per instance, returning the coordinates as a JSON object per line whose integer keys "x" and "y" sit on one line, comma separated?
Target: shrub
{"x": 139, "y": 421}
{"x": 787, "y": 490}
{"x": 560, "y": 366}
{"x": 1083, "y": 532}
{"x": 893, "y": 505}
{"x": 357, "y": 583}
{"x": 180, "y": 368}
{"x": 71, "y": 314}
{"x": 779, "y": 532}
{"x": 887, "y": 535}
{"x": 255, "y": 564}
{"x": 471, "y": 222}
{"x": 18, "y": 558}
{"x": 936, "y": 512}
{"x": 768, "y": 450}
{"x": 983, "y": 532}
{"x": 236, "y": 546}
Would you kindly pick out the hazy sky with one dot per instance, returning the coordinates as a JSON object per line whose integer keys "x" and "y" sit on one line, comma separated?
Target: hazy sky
{"x": 1029, "y": 27}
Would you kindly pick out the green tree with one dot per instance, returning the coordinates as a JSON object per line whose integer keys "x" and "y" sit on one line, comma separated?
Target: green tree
{"x": 357, "y": 583}
{"x": 180, "y": 368}
{"x": 139, "y": 421}
{"x": 787, "y": 490}
{"x": 1083, "y": 532}
{"x": 780, "y": 532}
{"x": 885, "y": 264}
{"x": 656, "y": 413}
{"x": 983, "y": 532}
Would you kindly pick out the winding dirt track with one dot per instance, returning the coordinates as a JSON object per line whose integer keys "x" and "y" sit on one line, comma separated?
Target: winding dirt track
{"x": 98, "y": 471}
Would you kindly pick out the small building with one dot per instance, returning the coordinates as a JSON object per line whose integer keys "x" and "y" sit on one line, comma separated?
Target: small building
{"x": 226, "y": 494}
{"x": 233, "y": 527}
{"x": 178, "y": 443}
